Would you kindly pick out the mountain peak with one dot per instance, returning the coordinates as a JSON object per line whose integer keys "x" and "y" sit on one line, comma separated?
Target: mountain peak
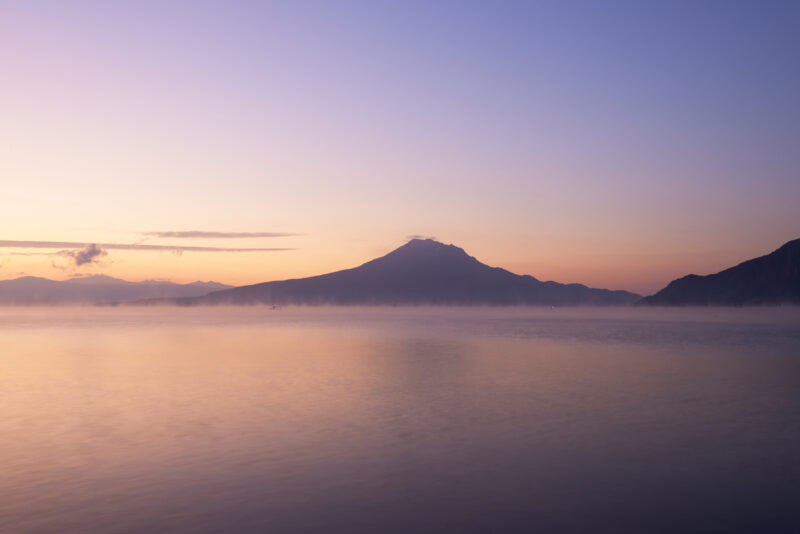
{"x": 424, "y": 244}
{"x": 420, "y": 272}
{"x": 421, "y": 252}
{"x": 430, "y": 245}
{"x": 425, "y": 241}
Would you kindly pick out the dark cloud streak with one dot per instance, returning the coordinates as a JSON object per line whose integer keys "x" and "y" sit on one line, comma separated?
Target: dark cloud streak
{"x": 197, "y": 234}
{"x": 117, "y": 246}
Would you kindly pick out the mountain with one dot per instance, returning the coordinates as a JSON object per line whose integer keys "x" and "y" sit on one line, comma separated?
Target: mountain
{"x": 419, "y": 272}
{"x": 769, "y": 280}
{"x": 99, "y": 289}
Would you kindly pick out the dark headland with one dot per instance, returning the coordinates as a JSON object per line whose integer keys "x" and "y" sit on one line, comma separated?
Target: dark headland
{"x": 421, "y": 272}
{"x": 769, "y": 280}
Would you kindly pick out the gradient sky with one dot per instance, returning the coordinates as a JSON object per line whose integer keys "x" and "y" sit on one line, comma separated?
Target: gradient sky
{"x": 617, "y": 144}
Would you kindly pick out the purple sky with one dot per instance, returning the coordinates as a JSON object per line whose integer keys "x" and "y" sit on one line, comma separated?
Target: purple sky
{"x": 618, "y": 144}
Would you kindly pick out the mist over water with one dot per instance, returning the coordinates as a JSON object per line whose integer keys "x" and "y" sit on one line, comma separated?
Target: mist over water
{"x": 117, "y": 420}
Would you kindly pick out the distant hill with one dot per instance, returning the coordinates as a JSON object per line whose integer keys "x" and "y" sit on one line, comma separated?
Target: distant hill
{"x": 418, "y": 273}
{"x": 769, "y": 280}
{"x": 99, "y": 289}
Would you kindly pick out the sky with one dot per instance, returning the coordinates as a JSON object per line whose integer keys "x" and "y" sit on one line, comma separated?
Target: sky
{"x": 616, "y": 144}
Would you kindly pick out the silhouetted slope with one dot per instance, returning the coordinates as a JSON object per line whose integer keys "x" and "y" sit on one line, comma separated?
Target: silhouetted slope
{"x": 99, "y": 289}
{"x": 768, "y": 280}
{"x": 419, "y": 272}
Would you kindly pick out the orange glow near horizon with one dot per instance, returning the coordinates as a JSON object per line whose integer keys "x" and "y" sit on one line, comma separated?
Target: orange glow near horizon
{"x": 612, "y": 269}
{"x": 525, "y": 135}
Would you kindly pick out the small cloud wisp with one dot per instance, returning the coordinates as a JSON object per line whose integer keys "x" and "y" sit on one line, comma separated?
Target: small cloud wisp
{"x": 86, "y": 255}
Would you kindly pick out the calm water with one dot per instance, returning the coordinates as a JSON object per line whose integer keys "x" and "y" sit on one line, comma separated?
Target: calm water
{"x": 399, "y": 420}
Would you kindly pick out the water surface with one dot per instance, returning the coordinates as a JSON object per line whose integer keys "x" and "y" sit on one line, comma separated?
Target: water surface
{"x": 118, "y": 420}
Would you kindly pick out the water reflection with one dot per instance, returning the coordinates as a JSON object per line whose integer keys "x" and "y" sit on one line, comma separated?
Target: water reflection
{"x": 396, "y": 421}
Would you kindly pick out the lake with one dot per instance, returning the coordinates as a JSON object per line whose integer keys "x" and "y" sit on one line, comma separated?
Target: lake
{"x": 202, "y": 420}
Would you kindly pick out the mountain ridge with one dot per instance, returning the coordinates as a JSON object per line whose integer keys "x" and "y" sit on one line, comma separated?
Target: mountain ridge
{"x": 768, "y": 280}
{"x": 420, "y": 272}
{"x": 95, "y": 289}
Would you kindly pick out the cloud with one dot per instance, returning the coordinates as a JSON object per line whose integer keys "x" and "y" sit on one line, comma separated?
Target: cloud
{"x": 85, "y": 255}
{"x": 136, "y": 246}
{"x": 417, "y": 236}
{"x": 195, "y": 234}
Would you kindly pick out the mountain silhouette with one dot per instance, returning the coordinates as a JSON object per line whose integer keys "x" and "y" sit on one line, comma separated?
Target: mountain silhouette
{"x": 98, "y": 289}
{"x": 768, "y": 280}
{"x": 420, "y": 272}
